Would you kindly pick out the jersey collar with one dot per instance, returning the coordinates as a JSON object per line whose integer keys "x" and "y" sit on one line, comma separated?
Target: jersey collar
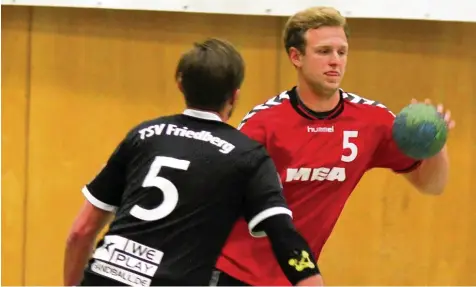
{"x": 202, "y": 115}
{"x": 306, "y": 112}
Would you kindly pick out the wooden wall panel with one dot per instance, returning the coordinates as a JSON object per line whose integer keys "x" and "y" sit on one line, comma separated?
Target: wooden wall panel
{"x": 388, "y": 233}
{"x": 15, "y": 76}
{"x": 96, "y": 73}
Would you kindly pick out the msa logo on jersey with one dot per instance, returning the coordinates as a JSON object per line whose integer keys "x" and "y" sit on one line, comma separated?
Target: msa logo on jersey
{"x": 312, "y": 174}
{"x": 128, "y": 254}
{"x": 173, "y": 130}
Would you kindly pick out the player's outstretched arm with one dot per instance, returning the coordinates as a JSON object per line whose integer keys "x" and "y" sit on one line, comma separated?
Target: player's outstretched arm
{"x": 267, "y": 214}
{"x": 428, "y": 176}
{"x": 79, "y": 245}
{"x": 431, "y": 176}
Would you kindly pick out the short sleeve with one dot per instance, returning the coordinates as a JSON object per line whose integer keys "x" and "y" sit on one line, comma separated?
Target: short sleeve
{"x": 106, "y": 189}
{"x": 264, "y": 197}
{"x": 388, "y": 155}
{"x": 252, "y": 125}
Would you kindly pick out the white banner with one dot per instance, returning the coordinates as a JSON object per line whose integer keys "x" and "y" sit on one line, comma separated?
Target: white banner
{"x": 438, "y": 10}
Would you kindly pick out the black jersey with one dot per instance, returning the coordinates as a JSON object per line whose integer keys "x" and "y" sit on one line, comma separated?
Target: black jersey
{"x": 177, "y": 185}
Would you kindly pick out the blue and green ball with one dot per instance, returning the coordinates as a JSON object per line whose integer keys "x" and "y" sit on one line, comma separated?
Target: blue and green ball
{"x": 419, "y": 131}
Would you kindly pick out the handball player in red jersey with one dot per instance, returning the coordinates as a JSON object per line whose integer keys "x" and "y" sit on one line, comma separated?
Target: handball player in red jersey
{"x": 322, "y": 140}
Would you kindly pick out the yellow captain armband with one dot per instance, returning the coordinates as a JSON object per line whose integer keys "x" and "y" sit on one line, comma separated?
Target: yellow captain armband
{"x": 304, "y": 261}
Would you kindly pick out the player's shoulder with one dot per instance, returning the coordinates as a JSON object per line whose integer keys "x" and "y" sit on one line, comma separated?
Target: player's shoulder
{"x": 156, "y": 120}
{"x": 137, "y": 130}
{"x": 244, "y": 145}
{"x": 241, "y": 140}
{"x": 265, "y": 110}
{"x": 367, "y": 107}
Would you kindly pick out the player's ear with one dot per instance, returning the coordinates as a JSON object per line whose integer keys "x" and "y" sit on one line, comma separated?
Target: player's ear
{"x": 178, "y": 80}
{"x": 295, "y": 57}
{"x": 234, "y": 97}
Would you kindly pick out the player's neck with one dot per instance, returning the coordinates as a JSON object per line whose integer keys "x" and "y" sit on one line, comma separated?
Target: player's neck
{"x": 317, "y": 101}
{"x": 223, "y": 115}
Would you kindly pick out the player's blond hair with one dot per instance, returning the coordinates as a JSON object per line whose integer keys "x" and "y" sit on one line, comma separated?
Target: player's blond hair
{"x": 310, "y": 18}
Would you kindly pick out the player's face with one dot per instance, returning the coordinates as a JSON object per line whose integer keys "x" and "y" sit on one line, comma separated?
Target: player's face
{"x": 323, "y": 65}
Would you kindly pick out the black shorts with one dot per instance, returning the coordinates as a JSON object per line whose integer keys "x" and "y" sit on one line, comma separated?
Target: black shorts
{"x": 220, "y": 278}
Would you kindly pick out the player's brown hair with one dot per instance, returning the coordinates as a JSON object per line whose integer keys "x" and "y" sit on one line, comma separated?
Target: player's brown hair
{"x": 210, "y": 73}
{"x": 310, "y": 18}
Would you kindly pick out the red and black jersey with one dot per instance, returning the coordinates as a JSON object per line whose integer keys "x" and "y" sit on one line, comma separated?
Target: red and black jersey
{"x": 320, "y": 158}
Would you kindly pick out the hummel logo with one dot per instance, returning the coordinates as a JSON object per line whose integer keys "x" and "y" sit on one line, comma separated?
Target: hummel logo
{"x": 320, "y": 129}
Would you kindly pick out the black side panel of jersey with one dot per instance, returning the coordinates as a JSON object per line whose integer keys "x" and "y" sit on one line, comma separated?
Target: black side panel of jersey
{"x": 194, "y": 173}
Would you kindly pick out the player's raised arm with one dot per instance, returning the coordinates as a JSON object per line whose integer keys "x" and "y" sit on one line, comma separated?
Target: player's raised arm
{"x": 103, "y": 195}
{"x": 428, "y": 176}
{"x": 431, "y": 177}
{"x": 268, "y": 215}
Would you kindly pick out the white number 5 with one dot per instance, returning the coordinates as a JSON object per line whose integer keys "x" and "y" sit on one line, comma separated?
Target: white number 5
{"x": 346, "y": 144}
{"x": 168, "y": 189}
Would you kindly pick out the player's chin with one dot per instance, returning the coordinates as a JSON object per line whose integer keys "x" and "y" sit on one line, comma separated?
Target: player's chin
{"x": 332, "y": 82}
{"x": 331, "y": 85}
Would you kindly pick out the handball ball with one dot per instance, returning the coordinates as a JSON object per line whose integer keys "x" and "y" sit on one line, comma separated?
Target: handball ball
{"x": 419, "y": 131}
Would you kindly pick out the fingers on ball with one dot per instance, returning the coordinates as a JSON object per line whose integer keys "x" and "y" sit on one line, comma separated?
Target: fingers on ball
{"x": 448, "y": 116}
{"x": 440, "y": 108}
{"x": 451, "y": 124}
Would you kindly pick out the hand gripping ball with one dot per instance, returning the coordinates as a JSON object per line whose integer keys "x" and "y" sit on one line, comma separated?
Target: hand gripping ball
{"x": 419, "y": 131}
